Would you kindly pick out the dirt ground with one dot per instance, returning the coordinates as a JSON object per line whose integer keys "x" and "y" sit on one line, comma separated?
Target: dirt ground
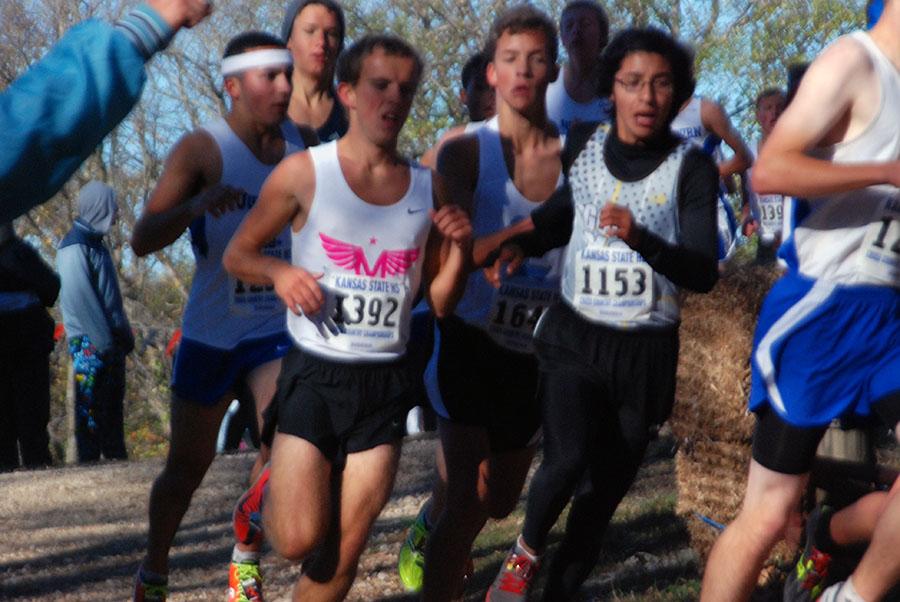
{"x": 77, "y": 533}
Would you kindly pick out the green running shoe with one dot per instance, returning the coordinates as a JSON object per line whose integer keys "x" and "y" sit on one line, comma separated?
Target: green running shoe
{"x": 244, "y": 582}
{"x": 411, "y": 564}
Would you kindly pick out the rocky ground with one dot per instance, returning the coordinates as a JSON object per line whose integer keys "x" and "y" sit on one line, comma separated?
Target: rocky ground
{"x": 77, "y": 533}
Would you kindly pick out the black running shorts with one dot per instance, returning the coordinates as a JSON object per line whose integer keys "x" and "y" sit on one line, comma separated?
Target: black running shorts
{"x": 484, "y": 384}
{"x": 342, "y": 408}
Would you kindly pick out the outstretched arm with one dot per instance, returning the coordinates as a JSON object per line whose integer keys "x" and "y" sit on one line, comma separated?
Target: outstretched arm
{"x": 56, "y": 113}
{"x": 837, "y": 98}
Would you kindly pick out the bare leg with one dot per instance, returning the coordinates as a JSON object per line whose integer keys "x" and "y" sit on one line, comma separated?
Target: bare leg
{"x": 879, "y": 569}
{"x": 191, "y": 451}
{"x": 297, "y": 506}
{"x": 737, "y": 557}
{"x": 479, "y": 485}
{"x": 365, "y": 487}
{"x": 262, "y": 382}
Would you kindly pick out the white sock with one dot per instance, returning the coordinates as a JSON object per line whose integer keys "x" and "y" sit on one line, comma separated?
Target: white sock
{"x": 241, "y": 556}
{"x": 841, "y": 592}
{"x": 522, "y": 551}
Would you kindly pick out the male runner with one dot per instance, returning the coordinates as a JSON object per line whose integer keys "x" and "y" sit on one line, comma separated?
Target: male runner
{"x": 705, "y": 123}
{"x": 482, "y": 379}
{"x": 572, "y": 97}
{"x": 828, "y": 336}
{"x": 638, "y": 215}
{"x": 231, "y": 330}
{"x": 764, "y": 213}
{"x": 345, "y": 388}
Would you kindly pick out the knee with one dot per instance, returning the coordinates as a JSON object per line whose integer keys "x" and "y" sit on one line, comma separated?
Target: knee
{"x": 294, "y": 539}
{"x": 184, "y": 475}
{"x": 765, "y": 524}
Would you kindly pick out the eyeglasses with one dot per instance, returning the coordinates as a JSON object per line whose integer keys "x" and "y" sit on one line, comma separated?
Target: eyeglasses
{"x": 659, "y": 85}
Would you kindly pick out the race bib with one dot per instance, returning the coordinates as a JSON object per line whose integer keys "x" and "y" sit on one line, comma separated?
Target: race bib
{"x": 879, "y": 258}
{"x": 367, "y": 312}
{"x": 613, "y": 284}
{"x": 771, "y": 214}
{"x": 517, "y": 307}
{"x": 250, "y": 299}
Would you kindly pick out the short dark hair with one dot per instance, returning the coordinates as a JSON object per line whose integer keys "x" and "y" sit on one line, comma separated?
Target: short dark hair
{"x": 602, "y": 17}
{"x": 767, "y": 92}
{"x": 349, "y": 64}
{"x": 517, "y": 19}
{"x": 656, "y": 41}
{"x": 474, "y": 67}
{"x": 243, "y": 42}
{"x": 296, "y": 6}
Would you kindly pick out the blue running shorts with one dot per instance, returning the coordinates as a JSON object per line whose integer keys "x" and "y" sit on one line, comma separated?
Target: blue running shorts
{"x": 203, "y": 374}
{"x": 823, "y": 350}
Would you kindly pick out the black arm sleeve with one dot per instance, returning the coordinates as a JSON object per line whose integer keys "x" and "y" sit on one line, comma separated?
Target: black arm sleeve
{"x": 691, "y": 263}
{"x": 552, "y": 224}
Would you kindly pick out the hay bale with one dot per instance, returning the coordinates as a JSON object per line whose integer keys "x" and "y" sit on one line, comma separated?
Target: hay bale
{"x": 710, "y": 417}
{"x": 713, "y": 364}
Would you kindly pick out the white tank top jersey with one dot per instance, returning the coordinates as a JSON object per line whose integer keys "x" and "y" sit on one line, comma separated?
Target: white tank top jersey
{"x": 854, "y": 237}
{"x": 222, "y": 311}
{"x": 604, "y": 280}
{"x": 766, "y": 209}
{"x": 689, "y": 125}
{"x": 510, "y": 313}
{"x": 564, "y": 111}
{"x": 371, "y": 257}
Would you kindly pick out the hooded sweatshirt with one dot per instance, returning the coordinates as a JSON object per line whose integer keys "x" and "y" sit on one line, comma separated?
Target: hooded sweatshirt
{"x": 90, "y": 299}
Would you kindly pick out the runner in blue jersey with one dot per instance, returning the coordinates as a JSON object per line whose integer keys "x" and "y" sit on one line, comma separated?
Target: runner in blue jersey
{"x": 827, "y": 342}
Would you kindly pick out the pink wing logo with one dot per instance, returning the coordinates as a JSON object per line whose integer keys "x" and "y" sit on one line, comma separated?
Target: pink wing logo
{"x": 352, "y": 257}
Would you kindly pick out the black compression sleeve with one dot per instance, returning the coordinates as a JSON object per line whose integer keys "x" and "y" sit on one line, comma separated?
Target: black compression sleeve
{"x": 552, "y": 224}
{"x": 692, "y": 262}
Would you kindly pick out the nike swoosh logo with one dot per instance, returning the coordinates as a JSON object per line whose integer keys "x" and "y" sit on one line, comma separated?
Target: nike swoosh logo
{"x": 411, "y": 211}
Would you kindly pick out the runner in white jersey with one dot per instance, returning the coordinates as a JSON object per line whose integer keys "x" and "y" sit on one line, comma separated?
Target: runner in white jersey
{"x": 232, "y": 331}
{"x": 828, "y": 337}
{"x": 764, "y": 213}
{"x": 638, "y": 221}
{"x": 572, "y": 97}
{"x": 364, "y": 234}
{"x": 705, "y": 124}
{"x": 482, "y": 378}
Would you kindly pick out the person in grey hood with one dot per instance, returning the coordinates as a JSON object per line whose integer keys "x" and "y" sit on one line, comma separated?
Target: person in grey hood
{"x": 97, "y": 328}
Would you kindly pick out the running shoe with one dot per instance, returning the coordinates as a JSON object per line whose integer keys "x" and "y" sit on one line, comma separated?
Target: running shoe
{"x": 842, "y": 591}
{"x": 809, "y": 577}
{"x": 149, "y": 592}
{"x": 411, "y": 562}
{"x": 514, "y": 579}
{"x": 247, "y": 517}
{"x": 244, "y": 582}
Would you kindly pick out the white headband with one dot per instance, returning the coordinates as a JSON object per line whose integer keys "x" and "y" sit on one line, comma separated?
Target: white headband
{"x": 256, "y": 59}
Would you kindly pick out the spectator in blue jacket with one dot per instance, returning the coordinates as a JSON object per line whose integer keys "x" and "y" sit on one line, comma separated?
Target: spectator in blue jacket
{"x": 56, "y": 113}
{"x": 27, "y": 286}
{"x": 97, "y": 328}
